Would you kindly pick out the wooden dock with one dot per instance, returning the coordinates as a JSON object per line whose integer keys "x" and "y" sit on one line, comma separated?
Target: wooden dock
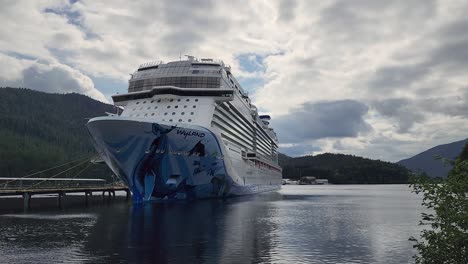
{"x": 88, "y": 191}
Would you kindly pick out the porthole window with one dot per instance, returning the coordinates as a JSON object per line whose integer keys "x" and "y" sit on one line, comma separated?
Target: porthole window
{"x": 194, "y": 106}
{"x": 178, "y": 100}
{"x": 196, "y": 100}
{"x": 152, "y": 114}
{"x": 176, "y": 106}
{"x": 144, "y": 102}
{"x": 146, "y": 114}
{"x": 173, "y": 113}
{"x": 165, "y": 113}
{"x": 190, "y": 120}
{"x": 170, "y": 120}
{"x": 159, "y": 100}
{"x": 149, "y": 107}
{"x": 152, "y": 101}
{"x": 172, "y": 100}
{"x": 183, "y": 113}
{"x": 138, "y": 102}
{"x": 155, "y": 107}
{"x": 168, "y": 106}
{"x": 191, "y": 113}
{"x": 180, "y": 120}
{"x": 188, "y": 100}
{"x": 185, "y": 106}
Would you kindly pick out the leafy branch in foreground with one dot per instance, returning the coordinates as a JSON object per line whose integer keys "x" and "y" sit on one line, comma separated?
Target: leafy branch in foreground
{"x": 446, "y": 241}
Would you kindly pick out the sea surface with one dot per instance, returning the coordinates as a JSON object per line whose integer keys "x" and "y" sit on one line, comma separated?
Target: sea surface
{"x": 298, "y": 224}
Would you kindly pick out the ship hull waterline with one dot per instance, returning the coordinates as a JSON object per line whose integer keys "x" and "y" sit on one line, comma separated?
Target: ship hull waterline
{"x": 167, "y": 161}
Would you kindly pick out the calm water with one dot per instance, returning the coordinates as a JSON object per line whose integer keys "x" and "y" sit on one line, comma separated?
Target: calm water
{"x": 299, "y": 224}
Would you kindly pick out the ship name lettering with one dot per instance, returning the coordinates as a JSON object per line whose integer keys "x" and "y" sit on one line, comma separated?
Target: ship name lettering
{"x": 186, "y": 133}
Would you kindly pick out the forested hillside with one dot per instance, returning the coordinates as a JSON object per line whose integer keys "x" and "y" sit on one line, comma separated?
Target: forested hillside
{"x": 40, "y": 130}
{"x": 343, "y": 169}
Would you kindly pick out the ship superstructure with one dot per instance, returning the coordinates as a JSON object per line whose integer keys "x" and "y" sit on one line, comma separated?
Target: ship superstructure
{"x": 188, "y": 130}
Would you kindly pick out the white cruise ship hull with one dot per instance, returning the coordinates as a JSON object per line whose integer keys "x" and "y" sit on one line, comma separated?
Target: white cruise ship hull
{"x": 175, "y": 161}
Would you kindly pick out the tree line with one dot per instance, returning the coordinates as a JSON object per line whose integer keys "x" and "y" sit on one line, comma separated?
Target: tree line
{"x": 41, "y": 130}
{"x": 343, "y": 169}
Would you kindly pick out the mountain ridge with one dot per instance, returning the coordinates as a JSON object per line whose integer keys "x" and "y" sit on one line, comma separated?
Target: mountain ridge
{"x": 425, "y": 162}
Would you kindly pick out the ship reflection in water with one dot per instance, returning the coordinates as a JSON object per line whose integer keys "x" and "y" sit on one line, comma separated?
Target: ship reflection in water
{"x": 308, "y": 224}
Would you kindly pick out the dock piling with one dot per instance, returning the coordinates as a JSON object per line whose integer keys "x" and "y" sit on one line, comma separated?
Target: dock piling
{"x": 127, "y": 196}
{"x": 26, "y": 201}
{"x": 59, "y": 199}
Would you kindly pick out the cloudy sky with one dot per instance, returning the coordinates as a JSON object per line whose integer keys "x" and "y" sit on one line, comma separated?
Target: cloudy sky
{"x": 380, "y": 79}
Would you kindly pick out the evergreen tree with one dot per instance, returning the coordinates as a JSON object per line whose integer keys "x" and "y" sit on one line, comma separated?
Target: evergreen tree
{"x": 447, "y": 239}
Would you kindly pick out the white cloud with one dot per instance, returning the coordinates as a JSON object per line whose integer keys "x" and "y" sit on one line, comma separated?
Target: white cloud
{"x": 411, "y": 52}
{"x": 52, "y": 78}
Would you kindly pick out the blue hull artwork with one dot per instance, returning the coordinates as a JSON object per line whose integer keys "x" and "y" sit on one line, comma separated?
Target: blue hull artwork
{"x": 161, "y": 161}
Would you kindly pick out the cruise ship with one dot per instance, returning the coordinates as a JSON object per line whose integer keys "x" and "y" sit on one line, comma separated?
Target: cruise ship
{"x": 187, "y": 131}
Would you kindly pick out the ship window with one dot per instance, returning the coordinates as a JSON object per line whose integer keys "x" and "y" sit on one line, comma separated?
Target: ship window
{"x": 183, "y": 113}
{"x": 170, "y": 120}
{"x": 180, "y": 120}
{"x": 180, "y": 81}
{"x": 152, "y": 114}
{"x": 165, "y": 113}
{"x": 196, "y": 100}
{"x": 138, "y": 102}
{"x": 188, "y": 100}
{"x": 185, "y": 106}
{"x": 191, "y": 113}
{"x": 152, "y": 101}
{"x": 149, "y": 107}
{"x": 190, "y": 120}
{"x": 172, "y": 100}
{"x": 194, "y": 106}
{"x": 144, "y": 102}
{"x": 155, "y": 107}
{"x": 173, "y": 113}
{"x": 178, "y": 100}
{"x": 176, "y": 106}
{"x": 146, "y": 114}
{"x": 168, "y": 106}
{"x": 159, "y": 100}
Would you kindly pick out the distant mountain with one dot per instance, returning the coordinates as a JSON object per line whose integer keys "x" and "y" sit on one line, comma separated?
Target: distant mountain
{"x": 424, "y": 161}
{"x": 343, "y": 169}
{"x": 40, "y": 130}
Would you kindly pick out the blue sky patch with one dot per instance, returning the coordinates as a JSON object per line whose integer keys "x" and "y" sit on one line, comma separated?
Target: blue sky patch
{"x": 251, "y": 62}
{"x": 20, "y": 56}
{"x": 73, "y": 18}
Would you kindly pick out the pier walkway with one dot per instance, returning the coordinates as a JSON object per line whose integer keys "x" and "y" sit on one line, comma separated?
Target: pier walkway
{"x": 85, "y": 186}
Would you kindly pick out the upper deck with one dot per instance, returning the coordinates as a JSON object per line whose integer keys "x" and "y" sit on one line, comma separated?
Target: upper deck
{"x": 191, "y": 73}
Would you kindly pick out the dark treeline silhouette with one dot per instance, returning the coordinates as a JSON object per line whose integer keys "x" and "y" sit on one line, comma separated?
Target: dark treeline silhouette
{"x": 343, "y": 169}
{"x": 40, "y": 130}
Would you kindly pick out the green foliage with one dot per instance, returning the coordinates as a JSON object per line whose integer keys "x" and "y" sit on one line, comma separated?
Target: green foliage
{"x": 40, "y": 130}
{"x": 447, "y": 239}
{"x": 343, "y": 169}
